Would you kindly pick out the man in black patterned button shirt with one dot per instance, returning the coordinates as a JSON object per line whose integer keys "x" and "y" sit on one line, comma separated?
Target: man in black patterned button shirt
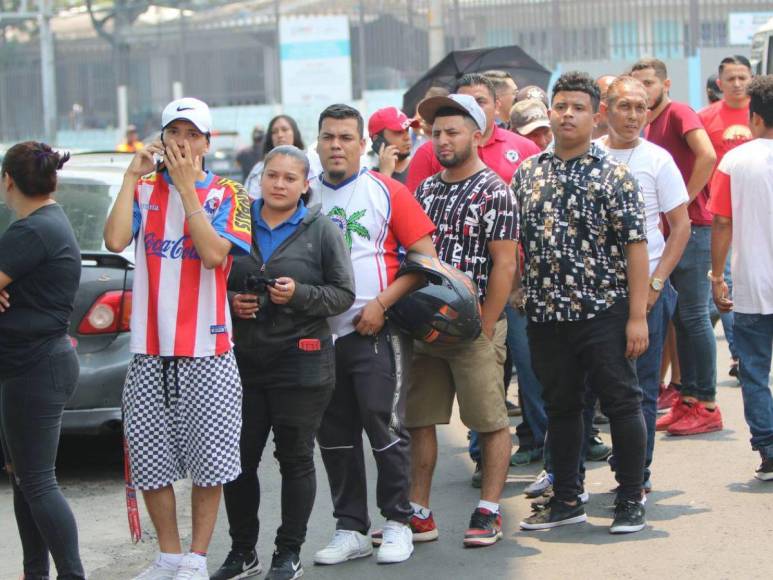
{"x": 584, "y": 233}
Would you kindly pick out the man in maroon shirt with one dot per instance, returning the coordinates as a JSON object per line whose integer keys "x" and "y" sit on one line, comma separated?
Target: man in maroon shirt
{"x": 502, "y": 150}
{"x": 677, "y": 128}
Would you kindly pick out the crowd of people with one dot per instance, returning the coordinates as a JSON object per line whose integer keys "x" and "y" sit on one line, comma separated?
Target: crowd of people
{"x": 581, "y": 239}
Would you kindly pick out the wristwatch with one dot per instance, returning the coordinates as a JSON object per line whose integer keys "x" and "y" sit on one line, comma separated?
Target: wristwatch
{"x": 656, "y": 284}
{"x": 715, "y": 279}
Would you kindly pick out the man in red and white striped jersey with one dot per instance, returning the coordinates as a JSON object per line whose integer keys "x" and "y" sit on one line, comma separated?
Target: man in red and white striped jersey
{"x": 182, "y": 397}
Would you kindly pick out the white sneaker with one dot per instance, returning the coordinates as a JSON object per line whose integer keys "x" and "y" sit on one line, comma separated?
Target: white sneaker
{"x": 189, "y": 569}
{"x": 156, "y": 572}
{"x": 345, "y": 545}
{"x": 397, "y": 545}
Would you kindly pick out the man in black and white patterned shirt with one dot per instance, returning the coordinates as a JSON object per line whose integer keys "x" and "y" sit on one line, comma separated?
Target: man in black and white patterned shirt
{"x": 584, "y": 234}
{"x": 476, "y": 231}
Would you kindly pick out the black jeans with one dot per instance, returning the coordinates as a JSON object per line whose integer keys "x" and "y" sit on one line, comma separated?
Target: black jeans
{"x": 31, "y": 407}
{"x": 288, "y": 395}
{"x": 563, "y": 355}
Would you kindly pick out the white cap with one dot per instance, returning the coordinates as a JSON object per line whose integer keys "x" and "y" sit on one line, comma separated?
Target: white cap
{"x": 463, "y": 103}
{"x": 188, "y": 109}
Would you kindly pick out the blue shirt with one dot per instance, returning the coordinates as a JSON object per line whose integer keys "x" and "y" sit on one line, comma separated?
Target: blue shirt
{"x": 267, "y": 239}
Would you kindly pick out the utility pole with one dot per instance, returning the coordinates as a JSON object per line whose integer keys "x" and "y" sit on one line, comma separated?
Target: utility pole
{"x": 47, "y": 71}
{"x": 47, "y": 64}
{"x": 436, "y": 34}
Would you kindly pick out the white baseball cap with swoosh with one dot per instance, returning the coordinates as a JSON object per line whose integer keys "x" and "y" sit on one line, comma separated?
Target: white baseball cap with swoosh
{"x": 188, "y": 109}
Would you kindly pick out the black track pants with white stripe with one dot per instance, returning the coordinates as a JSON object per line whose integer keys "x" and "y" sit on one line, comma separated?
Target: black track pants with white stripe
{"x": 370, "y": 392}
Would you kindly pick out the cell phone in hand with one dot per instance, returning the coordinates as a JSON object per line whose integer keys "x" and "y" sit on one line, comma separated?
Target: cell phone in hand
{"x": 378, "y": 142}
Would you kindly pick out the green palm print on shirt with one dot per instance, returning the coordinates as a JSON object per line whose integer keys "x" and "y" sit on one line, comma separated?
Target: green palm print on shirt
{"x": 349, "y": 225}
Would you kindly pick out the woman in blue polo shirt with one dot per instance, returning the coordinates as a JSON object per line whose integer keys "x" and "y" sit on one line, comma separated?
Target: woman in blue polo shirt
{"x": 297, "y": 275}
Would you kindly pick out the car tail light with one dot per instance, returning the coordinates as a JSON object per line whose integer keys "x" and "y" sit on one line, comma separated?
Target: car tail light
{"x": 110, "y": 313}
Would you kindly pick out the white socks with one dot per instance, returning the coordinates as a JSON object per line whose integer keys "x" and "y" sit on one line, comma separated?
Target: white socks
{"x": 420, "y": 511}
{"x": 490, "y": 506}
{"x": 168, "y": 561}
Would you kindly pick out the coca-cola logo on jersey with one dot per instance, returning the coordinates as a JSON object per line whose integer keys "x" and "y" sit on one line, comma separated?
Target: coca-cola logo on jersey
{"x": 179, "y": 249}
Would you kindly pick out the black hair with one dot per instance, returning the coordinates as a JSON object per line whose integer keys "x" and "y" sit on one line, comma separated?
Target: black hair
{"x": 33, "y": 166}
{"x": 295, "y": 153}
{"x": 735, "y": 59}
{"x": 761, "y": 92}
{"x": 474, "y": 80}
{"x": 580, "y": 82}
{"x": 341, "y": 111}
{"x": 655, "y": 64}
{"x": 268, "y": 142}
{"x": 713, "y": 92}
{"x": 453, "y": 112}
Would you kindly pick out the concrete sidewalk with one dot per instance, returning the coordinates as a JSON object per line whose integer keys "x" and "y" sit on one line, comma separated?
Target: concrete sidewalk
{"x": 708, "y": 517}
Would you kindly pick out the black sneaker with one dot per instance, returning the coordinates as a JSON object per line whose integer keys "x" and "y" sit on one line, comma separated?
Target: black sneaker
{"x": 765, "y": 470}
{"x": 555, "y": 513}
{"x": 285, "y": 565}
{"x": 629, "y": 517}
{"x": 238, "y": 564}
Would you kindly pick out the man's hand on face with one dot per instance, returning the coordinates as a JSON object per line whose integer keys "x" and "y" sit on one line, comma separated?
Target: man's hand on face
{"x": 183, "y": 167}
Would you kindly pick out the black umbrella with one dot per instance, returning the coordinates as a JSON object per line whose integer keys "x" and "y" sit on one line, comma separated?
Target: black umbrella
{"x": 512, "y": 59}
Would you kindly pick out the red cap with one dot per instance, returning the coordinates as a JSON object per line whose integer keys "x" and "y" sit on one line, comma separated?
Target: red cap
{"x": 390, "y": 118}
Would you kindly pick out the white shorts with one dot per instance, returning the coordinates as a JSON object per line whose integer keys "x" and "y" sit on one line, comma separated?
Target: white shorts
{"x": 183, "y": 416}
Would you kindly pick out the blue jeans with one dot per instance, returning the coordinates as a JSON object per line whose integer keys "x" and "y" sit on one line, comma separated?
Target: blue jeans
{"x": 648, "y": 365}
{"x": 754, "y": 341}
{"x": 529, "y": 387}
{"x": 695, "y": 338}
{"x": 727, "y": 318}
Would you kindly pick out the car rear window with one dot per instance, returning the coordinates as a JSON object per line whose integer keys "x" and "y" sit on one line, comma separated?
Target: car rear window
{"x": 86, "y": 204}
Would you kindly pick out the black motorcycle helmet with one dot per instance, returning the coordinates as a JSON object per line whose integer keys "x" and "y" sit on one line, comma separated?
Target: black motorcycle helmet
{"x": 445, "y": 310}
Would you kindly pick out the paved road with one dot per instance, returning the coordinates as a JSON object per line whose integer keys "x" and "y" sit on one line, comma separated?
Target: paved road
{"x": 708, "y": 517}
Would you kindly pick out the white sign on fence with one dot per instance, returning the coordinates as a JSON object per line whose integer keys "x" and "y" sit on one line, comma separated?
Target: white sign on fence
{"x": 741, "y": 26}
{"x": 316, "y": 63}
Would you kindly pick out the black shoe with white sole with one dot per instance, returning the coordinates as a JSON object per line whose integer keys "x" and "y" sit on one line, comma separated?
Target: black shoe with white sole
{"x": 238, "y": 564}
{"x": 629, "y": 517}
{"x": 285, "y": 565}
{"x": 765, "y": 470}
{"x": 555, "y": 513}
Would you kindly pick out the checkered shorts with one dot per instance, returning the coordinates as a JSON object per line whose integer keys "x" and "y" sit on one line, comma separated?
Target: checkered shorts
{"x": 181, "y": 416}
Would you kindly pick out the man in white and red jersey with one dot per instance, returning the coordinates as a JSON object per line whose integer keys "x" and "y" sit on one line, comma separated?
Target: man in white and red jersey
{"x": 182, "y": 397}
{"x": 501, "y": 150}
{"x": 377, "y": 216}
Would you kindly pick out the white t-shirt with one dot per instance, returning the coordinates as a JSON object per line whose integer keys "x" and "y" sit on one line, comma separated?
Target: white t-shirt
{"x": 742, "y": 188}
{"x": 661, "y": 185}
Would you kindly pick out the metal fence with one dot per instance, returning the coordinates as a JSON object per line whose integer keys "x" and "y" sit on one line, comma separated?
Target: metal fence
{"x": 227, "y": 54}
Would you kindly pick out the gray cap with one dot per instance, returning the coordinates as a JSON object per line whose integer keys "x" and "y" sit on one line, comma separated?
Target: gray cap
{"x": 528, "y": 115}
{"x": 465, "y": 104}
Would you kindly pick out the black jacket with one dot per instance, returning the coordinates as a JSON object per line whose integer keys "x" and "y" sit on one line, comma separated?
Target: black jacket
{"x": 315, "y": 256}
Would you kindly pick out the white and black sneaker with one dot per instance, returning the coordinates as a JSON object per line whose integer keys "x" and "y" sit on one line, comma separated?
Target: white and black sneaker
{"x": 238, "y": 564}
{"x": 629, "y": 517}
{"x": 554, "y": 514}
{"x": 765, "y": 470}
{"x": 285, "y": 565}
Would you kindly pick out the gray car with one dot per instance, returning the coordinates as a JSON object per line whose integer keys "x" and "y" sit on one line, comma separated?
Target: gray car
{"x": 99, "y": 328}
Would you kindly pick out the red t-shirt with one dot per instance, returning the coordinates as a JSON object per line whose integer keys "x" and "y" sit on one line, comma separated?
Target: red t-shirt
{"x": 670, "y": 131}
{"x": 727, "y": 127}
{"x": 503, "y": 153}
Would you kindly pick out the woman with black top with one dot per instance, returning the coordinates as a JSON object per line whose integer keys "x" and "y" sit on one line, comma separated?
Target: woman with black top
{"x": 40, "y": 266}
{"x": 298, "y": 274}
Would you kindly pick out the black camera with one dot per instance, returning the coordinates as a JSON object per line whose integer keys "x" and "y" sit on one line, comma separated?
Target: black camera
{"x": 255, "y": 284}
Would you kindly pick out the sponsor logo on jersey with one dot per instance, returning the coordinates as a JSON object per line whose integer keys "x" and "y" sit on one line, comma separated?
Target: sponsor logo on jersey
{"x": 179, "y": 249}
{"x": 512, "y": 155}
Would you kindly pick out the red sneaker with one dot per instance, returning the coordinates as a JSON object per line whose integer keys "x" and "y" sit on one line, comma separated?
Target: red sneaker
{"x": 485, "y": 529}
{"x": 668, "y": 396}
{"x": 424, "y": 530}
{"x": 697, "y": 420}
{"x": 678, "y": 410}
